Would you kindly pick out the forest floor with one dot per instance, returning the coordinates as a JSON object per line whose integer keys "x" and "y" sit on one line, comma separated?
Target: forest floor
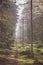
{"x": 23, "y": 59}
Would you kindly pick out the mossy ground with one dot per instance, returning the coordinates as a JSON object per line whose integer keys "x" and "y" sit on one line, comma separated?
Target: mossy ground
{"x": 23, "y": 59}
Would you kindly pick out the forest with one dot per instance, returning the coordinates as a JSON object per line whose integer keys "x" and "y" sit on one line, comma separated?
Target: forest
{"x": 21, "y": 32}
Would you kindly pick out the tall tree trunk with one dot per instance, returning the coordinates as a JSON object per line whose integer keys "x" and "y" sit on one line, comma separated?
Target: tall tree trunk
{"x": 31, "y": 32}
{"x": 23, "y": 33}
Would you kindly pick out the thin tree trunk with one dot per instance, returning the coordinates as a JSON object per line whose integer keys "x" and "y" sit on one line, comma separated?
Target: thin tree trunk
{"x": 31, "y": 32}
{"x": 23, "y": 33}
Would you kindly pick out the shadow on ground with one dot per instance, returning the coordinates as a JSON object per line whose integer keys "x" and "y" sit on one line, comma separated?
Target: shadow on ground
{"x": 4, "y": 61}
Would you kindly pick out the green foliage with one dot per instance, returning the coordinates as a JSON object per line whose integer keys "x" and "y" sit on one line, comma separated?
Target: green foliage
{"x": 6, "y": 29}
